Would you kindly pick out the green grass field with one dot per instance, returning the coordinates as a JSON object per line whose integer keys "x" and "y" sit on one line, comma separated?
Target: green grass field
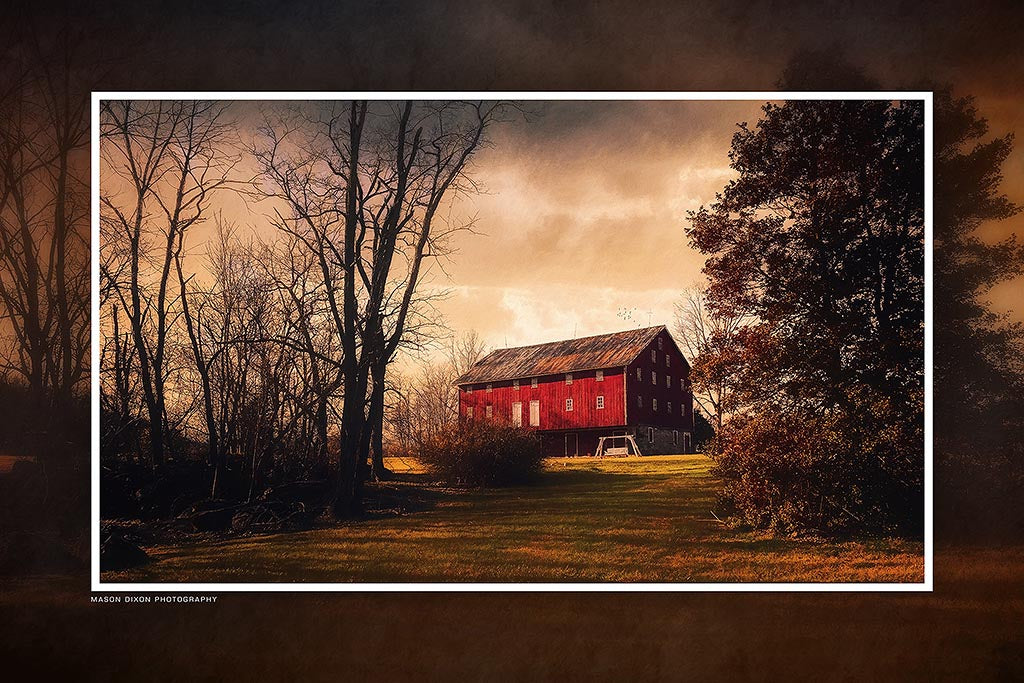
{"x": 586, "y": 519}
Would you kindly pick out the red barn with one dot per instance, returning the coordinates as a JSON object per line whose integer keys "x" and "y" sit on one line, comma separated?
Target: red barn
{"x": 574, "y": 392}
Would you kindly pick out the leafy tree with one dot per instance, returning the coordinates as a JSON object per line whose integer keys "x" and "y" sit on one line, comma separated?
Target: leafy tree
{"x": 820, "y": 240}
{"x": 979, "y": 378}
{"x": 978, "y": 370}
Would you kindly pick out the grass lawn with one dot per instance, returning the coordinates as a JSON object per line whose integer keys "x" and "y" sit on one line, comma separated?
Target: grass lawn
{"x": 586, "y": 519}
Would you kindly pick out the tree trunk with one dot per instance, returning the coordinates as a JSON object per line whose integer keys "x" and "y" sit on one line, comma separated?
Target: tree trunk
{"x": 347, "y": 496}
{"x": 353, "y": 421}
{"x": 193, "y": 327}
{"x": 321, "y": 427}
{"x": 376, "y": 425}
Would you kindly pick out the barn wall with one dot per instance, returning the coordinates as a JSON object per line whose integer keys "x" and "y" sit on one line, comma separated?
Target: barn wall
{"x": 664, "y": 442}
{"x": 585, "y": 441}
{"x": 677, "y": 394}
{"x": 552, "y": 391}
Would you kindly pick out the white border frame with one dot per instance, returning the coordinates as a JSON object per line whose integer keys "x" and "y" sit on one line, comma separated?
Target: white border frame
{"x": 926, "y": 586}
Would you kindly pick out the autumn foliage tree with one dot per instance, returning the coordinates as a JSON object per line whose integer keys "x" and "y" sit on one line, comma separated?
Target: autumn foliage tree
{"x": 821, "y": 241}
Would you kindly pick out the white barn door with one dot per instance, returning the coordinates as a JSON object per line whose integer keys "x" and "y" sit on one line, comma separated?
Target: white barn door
{"x": 517, "y": 414}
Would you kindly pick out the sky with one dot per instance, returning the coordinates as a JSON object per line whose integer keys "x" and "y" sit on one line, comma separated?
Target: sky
{"x": 579, "y": 225}
{"x": 603, "y": 45}
{"x": 599, "y": 45}
{"x": 581, "y": 228}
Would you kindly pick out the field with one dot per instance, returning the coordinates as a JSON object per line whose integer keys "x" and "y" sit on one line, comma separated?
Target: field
{"x": 586, "y": 519}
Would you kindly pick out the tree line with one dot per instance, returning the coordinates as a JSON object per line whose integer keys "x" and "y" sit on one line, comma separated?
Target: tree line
{"x": 279, "y": 349}
{"x": 44, "y": 215}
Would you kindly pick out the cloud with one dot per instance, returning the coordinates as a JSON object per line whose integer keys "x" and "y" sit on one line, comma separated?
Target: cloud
{"x": 516, "y": 316}
{"x": 585, "y": 213}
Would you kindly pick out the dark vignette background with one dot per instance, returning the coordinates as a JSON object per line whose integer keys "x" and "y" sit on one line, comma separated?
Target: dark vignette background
{"x": 971, "y": 627}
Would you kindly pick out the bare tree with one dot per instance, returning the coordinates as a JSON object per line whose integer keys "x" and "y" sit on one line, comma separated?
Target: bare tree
{"x": 465, "y": 350}
{"x": 303, "y": 304}
{"x": 43, "y": 221}
{"x": 709, "y": 338}
{"x": 167, "y": 159}
{"x": 427, "y": 403}
{"x": 426, "y": 171}
{"x": 318, "y": 185}
{"x": 119, "y": 393}
{"x": 362, "y": 192}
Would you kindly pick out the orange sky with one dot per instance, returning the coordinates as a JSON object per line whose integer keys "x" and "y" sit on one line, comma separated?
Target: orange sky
{"x": 580, "y": 230}
{"x": 601, "y": 45}
{"x": 584, "y": 218}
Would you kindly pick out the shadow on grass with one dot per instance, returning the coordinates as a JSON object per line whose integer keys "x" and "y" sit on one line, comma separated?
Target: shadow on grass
{"x": 395, "y": 497}
{"x": 583, "y": 520}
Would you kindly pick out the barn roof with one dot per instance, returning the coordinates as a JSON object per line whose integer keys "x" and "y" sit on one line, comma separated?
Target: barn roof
{"x": 586, "y": 353}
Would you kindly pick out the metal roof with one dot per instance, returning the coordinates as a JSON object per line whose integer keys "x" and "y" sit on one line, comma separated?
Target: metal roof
{"x": 586, "y": 353}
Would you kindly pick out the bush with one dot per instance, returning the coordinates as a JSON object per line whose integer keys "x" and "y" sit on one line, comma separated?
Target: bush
{"x": 830, "y": 473}
{"x": 482, "y": 454}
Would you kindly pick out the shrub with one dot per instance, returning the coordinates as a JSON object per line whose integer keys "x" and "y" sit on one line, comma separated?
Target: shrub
{"x": 482, "y": 454}
{"x": 829, "y": 473}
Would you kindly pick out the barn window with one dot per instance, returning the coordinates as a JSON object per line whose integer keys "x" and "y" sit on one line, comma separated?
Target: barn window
{"x": 534, "y": 413}
{"x": 668, "y": 407}
{"x": 639, "y": 401}
{"x": 654, "y": 356}
{"x": 654, "y": 377}
{"x": 668, "y": 362}
{"x": 489, "y": 411}
{"x": 675, "y": 438}
{"x": 568, "y": 378}
{"x": 654, "y": 404}
{"x": 599, "y": 376}
{"x": 515, "y": 385}
{"x": 488, "y": 388}
{"x": 568, "y": 405}
{"x": 650, "y": 434}
{"x": 661, "y": 343}
{"x": 533, "y": 383}
{"x": 638, "y": 375}
{"x": 668, "y": 381}
{"x": 469, "y": 412}
{"x": 469, "y": 389}
{"x": 600, "y": 402}
{"x": 682, "y": 409}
